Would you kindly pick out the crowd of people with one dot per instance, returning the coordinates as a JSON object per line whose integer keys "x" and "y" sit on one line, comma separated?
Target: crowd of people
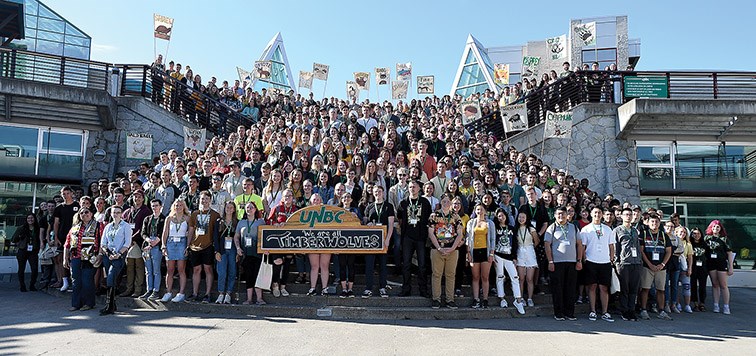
{"x": 461, "y": 206}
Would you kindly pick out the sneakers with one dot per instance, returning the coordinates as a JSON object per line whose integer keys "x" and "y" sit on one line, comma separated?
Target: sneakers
{"x": 676, "y": 310}
{"x": 220, "y": 299}
{"x": 367, "y": 294}
{"x": 644, "y": 315}
{"x": 530, "y": 303}
{"x": 688, "y": 309}
{"x": 64, "y": 287}
{"x": 579, "y": 300}
{"x": 436, "y": 304}
{"x": 206, "y": 299}
{"x": 726, "y": 309}
{"x": 324, "y": 292}
{"x": 146, "y": 295}
{"x": 607, "y": 317}
{"x": 311, "y": 292}
{"x": 716, "y": 308}
{"x": 520, "y": 306}
{"x": 485, "y": 304}
{"x": 625, "y": 316}
{"x": 284, "y": 292}
{"x": 476, "y": 304}
{"x": 383, "y": 293}
{"x": 343, "y": 294}
{"x": 178, "y": 298}
{"x": 503, "y": 303}
{"x": 571, "y": 318}
{"x": 350, "y": 294}
{"x": 276, "y": 292}
{"x": 227, "y": 299}
{"x": 667, "y": 309}
{"x": 458, "y": 293}
{"x": 451, "y": 305}
{"x": 592, "y": 316}
{"x": 664, "y": 316}
{"x": 166, "y": 297}
{"x": 559, "y": 318}
{"x": 154, "y": 296}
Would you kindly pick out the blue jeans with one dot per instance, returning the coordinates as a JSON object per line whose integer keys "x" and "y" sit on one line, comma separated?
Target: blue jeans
{"x": 226, "y": 271}
{"x": 303, "y": 263}
{"x": 82, "y": 277}
{"x": 153, "y": 269}
{"x": 113, "y": 268}
{"x": 670, "y": 293}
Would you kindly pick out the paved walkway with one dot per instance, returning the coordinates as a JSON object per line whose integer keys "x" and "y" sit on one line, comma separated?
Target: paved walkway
{"x": 37, "y": 323}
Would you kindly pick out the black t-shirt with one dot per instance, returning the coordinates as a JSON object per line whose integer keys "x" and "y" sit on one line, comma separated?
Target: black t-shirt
{"x": 537, "y": 214}
{"x": 414, "y": 215}
{"x": 654, "y": 245}
{"x": 379, "y": 213}
{"x": 65, "y": 214}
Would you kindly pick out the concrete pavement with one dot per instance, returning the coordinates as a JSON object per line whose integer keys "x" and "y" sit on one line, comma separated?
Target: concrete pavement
{"x": 37, "y": 323}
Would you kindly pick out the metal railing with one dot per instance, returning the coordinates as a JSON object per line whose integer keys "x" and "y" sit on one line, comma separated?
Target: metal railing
{"x": 46, "y": 68}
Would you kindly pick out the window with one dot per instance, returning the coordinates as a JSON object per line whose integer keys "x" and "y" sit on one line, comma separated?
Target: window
{"x": 45, "y": 153}
{"x": 604, "y": 56}
{"x": 655, "y": 169}
{"x": 18, "y": 149}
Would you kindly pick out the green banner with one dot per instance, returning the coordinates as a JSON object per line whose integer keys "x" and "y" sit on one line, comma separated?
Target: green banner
{"x": 646, "y": 87}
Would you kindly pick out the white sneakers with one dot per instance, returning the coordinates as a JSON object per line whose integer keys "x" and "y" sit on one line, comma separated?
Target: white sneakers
{"x": 520, "y": 305}
{"x": 65, "y": 285}
{"x": 504, "y": 303}
{"x": 166, "y": 297}
{"x": 179, "y": 298}
{"x": 227, "y": 299}
{"x": 726, "y": 309}
{"x": 220, "y": 299}
{"x": 530, "y": 303}
{"x": 284, "y": 292}
{"x": 276, "y": 292}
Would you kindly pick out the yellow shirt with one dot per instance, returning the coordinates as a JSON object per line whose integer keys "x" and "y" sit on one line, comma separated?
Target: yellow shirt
{"x": 480, "y": 237}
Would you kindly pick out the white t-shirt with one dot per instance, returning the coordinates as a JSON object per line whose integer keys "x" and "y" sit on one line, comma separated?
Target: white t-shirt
{"x": 596, "y": 239}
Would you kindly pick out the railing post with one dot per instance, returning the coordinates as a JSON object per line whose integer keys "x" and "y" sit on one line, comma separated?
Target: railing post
{"x": 62, "y": 70}
{"x": 716, "y": 85}
{"x": 144, "y": 81}
{"x": 123, "y": 80}
{"x": 13, "y": 63}
{"x": 669, "y": 86}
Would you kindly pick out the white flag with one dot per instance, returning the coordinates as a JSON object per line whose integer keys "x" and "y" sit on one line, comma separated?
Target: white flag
{"x": 162, "y": 26}
{"x": 194, "y": 138}
{"x": 320, "y": 71}
{"x": 558, "y": 125}
{"x": 399, "y": 89}
{"x": 514, "y": 117}
{"x": 586, "y": 33}
{"x": 557, "y": 47}
{"x": 305, "y": 79}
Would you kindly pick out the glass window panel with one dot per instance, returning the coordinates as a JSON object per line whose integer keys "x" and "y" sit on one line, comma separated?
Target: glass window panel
{"x": 607, "y": 54}
{"x": 277, "y": 55}
{"x": 471, "y": 75}
{"x": 736, "y": 215}
{"x": 51, "y": 25}
{"x": 606, "y": 29}
{"x": 79, "y": 41}
{"x": 52, "y": 36}
{"x": 18, "y": 149}
{"x": 44, "y": 11}
{"x": 76, "y": 52}
{"x": 31, "y": 22}
{"x": 589, "y": 56}
{"x": 30, "y": 7}
{"x": 606, "y": 41}
{"x": 60, "y": 166}
{"x": 653, "y": 155}
{"x": 470, "y": 57}
{"x": 716, "y": 168}
{"x": 58, "y": 141}
{"x": 50, "y": 47}
{"x": 655, "y": 179}
{"x": 16, "y": 200}
{"x": 71, "y": 30}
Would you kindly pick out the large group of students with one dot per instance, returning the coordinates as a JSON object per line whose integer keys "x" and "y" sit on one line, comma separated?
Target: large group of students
{"x": 462, "y": 207}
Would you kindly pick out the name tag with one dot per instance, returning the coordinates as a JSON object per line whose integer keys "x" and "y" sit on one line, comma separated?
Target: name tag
{"x": 532, "y": 223}
{"x": 228, "y": 244}
{"x": 633, "y": 252}
{"x": 248, "y": 241}
{"x": 413, "y": 221}
{"x": 177, "y": 239}
{"x": 29, "y": 248}
{"x": 199, "y": 231}
{"x": 508, "y": 251}
{"x": 448, "y": 235}
{"x": 566, "y": 243}
{"x": 655, "y": 256}
{"x": 713, "y": 255}
{"x": 699, "y": 263}
{"x": 133, "y": 227}
{"x": 378, "y": 224}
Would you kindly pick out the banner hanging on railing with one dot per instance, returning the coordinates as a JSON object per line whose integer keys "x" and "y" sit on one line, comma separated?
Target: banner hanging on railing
{"x": 163, "y": 26}
{"x": 426, "y": 84}
{"x": 501, "y": 73}
{"x": 514, "y": 117}
{"x": 139, "y": 146}
{"x": 320, "y": 71}
{"x": 399, "y": 89}
{"x": 585, "y": 33}
{"x": 558, "y": 125}
{"x": 195, "y": 138}
{"x": 382, "y": 76}
{"x": 557, "y": 47}
{"x": 404, "y": 71}
{"x": 363, "y": 80}
{"x": 470, "y": 111}
{"x": 531, "y": 67}
{"x": 262, "y": 69}
{"x": 305, "y": 79}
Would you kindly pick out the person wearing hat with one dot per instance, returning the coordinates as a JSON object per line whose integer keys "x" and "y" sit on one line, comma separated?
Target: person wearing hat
{"x": 134, "y": 216}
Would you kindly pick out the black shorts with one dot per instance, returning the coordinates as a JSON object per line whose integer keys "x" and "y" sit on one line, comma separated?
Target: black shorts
{"x": 718, "y": 264}
{"x": 480, "y": 255}
{"x": 203, "y": 257}
{"x": 597, "y": 273}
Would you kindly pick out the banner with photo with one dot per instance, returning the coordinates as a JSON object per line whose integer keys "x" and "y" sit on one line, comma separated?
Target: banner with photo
{"x": 470, "y": 111}
{"x": 514, "y": 117}
{"x": 195, "y": 138}
{"x": 352, "y": 91}
{"x": 426, "y": 84}
{"x": 404, "y": 71}
{"x": 399, "y": 89}
{"x": 501, "y": 73}
{"x": 382, "y": 76}
{"x": 531, "y": 67}
{"x": 557, "y": 47}
{"x": 558, "y": 125}
{"x": 163, "y": 26}
{"x": 363, "y": 80}
{"x": 139, "y": 146}
{"x": 320, "y": 71}
{"x": 244, "y": 76}
{"x": 585, "y": 33}
{"x": 305, "y": 79}
{"x": 262, "y": 69}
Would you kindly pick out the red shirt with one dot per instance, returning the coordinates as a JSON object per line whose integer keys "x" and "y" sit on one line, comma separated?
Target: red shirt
{"x": 280, "y": 213}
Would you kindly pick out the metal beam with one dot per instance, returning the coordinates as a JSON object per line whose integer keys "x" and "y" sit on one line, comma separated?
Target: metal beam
{"x": 727, "y": 128}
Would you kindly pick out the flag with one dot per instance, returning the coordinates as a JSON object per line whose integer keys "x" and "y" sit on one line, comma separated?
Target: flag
{"x": 399, "y": 89}
{"x": 404, "y": 71}
{"x": 470, "y": 111}
{"x": 557, "y": 47}
{"x": 382, "y": 76}
{"x": 244, "y": 76}
{"x": 558, "y": 125}
{"x": 162, "y": 26}
{"x": 363, "y": 80}
{"x": 305, "y": 79}
{"x": 139, "y": 146}
{"x": 501, "y": 73}
{"x": 320, "y": 71}
{"x": 425, "y": 84}
{"x": 586, "y": 33}
{"x": 353, "y": 91}
{"x": 514, "y": 117}
{"x": 194, "y": 138}
{"x": 262, "y": 69}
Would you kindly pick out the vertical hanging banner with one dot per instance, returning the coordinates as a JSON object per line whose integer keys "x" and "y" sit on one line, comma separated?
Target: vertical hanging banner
{"x": 514, "y": 117}
{"x": 404, "y": 71}
{"x": 244, "y": 76}
{"x": 163, "y": 26}
{"x": 586, "y": 33}
{"x": 557, "y": 47}
{"x": 531, "y": 67}
{"x": 262, "y": 69}
{"x": 382, "y": 76}
{"x": 470, "y": 111}
{"x": 352, "y": 91}
{"x": 501, "y": 73}
{"x": 195, "y": 138}
{"x": 399, "y": 89}
{"x": 425, "y": 84}
{"x": 363, "y": 80}
{"x": 138, "y": 146}
{"x": 305, "y": 79}
{"x": 558, "y": 125}
{"x": 320, "y": 71}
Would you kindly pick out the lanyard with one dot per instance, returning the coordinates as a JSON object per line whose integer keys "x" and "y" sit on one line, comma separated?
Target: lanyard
{"x": 379, "y": 212}
{"x": 597, "y": 230}
{"x": 153, "y": 225}
{"x": 234, "y": 185}
{"x": 442, "y": 184}
{"x": 564, "y": 231}
{"x": 533, "y": 210}
{"x": 207, "y": 218}
{"x": 656, "y": 238}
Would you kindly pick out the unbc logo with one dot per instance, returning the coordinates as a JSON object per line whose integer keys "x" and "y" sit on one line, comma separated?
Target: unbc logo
{"x": 323, "y": 216}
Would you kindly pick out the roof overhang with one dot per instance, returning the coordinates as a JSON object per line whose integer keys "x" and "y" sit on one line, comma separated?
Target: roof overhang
{"x": 687, "y": 120}
{"x": 11, "y": 20}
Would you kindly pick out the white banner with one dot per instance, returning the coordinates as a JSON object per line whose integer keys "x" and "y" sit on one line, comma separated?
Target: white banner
{"x": 558, "y": 125}
{"x": 404, "y": 71}
{"x": 531, "y": 67}
{"x": 514, "y": 117}
{"x": 399, "y": 89}
{"x": 320, "y": 71}
{"x": 585, "y": 33}
{"x": 425, "y": 84}
{"x": 382, "y": 76}
{"x": 194, "y": 138}
{"x": 139, "y": 146}
{"x": 163, "y": 27}
{"x": 262, "y": 69}
{"x": 557, "y": 47}
{"x": 363, "y": 80}
{"x": 244, "y": 76}
{"x": 305, "y": 79}
{"x": 353, "y": 91}
{"x": 470, "y": 111}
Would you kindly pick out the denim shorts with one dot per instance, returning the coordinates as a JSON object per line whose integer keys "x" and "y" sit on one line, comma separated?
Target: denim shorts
{"x": 176, "y": 250}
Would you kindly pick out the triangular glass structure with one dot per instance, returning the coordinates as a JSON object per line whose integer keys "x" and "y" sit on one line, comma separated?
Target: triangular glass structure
{"x": 280, "y": 76}
{"x": 475, "y": 72}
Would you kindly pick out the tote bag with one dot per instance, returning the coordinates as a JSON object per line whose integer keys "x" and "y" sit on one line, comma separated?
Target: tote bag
{"x": 615, "y": 287}
{"x": 265, "y": 276}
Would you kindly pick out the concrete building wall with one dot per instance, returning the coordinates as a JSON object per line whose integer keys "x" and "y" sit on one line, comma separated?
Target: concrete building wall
{"x": 593, "y": 151}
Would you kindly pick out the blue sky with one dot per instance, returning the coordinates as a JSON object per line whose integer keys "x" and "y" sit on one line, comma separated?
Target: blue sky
{"x": 216, "y": 36}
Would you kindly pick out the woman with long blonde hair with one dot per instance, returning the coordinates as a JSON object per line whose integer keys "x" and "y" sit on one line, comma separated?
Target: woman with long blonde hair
{"x": 175, "y": 249}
